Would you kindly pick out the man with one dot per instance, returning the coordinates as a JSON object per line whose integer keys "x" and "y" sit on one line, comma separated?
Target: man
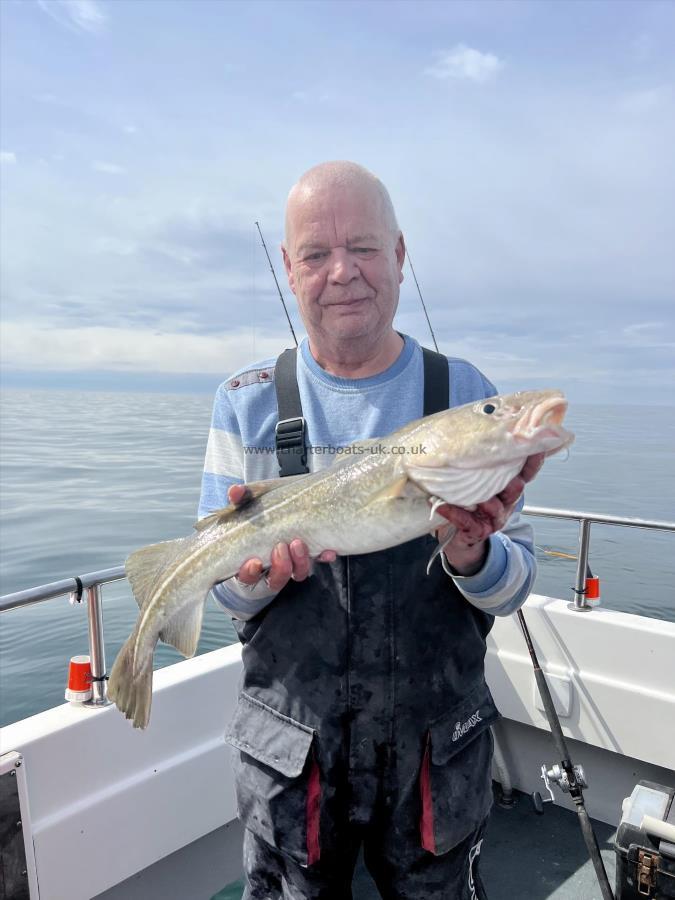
{"x": 364, "y": 715}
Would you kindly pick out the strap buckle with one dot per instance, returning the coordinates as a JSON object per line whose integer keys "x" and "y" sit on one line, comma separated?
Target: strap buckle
{"x": 291, "y": 448}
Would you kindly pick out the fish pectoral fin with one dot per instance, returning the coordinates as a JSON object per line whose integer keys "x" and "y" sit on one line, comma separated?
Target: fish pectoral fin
{"x": 145, "y": 566}
{"x": 402, "y": 488}
{"x": 439, "y": 550}
{"x": 182, "y": 630}
{"x": 255, "y": 489}
{"x": 392, "y": 491}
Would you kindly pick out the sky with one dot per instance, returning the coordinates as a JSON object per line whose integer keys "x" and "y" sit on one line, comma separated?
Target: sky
{"x": 528, "y": 149}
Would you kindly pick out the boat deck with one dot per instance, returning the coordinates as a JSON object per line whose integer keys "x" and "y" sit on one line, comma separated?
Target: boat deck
{"x": 525, "y": 856}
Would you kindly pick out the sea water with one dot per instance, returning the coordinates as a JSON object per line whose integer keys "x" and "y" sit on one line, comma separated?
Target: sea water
{"x": 88, "y": 477}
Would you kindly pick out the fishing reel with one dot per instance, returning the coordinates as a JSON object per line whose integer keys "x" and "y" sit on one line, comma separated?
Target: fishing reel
{"x": 557, "y": 775}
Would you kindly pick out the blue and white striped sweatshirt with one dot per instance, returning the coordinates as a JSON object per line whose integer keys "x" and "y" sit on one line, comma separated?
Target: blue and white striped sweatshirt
{"x": 338, "y": 412}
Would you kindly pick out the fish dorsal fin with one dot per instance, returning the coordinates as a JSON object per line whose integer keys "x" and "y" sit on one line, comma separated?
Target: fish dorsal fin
{"x": 217, "y": 517}
{"x": 145, "y": 566}
{"x": 182, "y": 630}
{"x": 256, "y": 489}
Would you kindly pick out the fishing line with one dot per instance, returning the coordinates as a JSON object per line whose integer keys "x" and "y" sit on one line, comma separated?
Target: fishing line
{"x": 557, "y": 553}
{"x": 274, "y": 275}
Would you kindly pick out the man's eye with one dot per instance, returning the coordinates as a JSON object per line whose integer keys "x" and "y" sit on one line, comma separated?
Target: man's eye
{"x": 315, "y": 257}
{"x": 364, "y": 251}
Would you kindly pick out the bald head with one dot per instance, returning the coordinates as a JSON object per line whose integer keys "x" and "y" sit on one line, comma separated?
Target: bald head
{"x": 344, "y": 254}
{"x": 333, "y": 179}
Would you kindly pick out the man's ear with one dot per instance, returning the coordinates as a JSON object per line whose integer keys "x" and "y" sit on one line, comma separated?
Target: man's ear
{"x": 400, "y": 256}
{"x": 287, "y": 266}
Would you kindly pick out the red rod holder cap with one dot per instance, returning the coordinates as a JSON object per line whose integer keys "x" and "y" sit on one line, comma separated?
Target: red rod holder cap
{"x": 593, "y": 588}
{"x": 79, "y": 679}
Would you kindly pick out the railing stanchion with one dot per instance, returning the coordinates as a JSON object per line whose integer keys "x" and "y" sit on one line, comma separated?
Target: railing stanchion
{"x": 580, "y": 603}
{"x": 99, "y": 695}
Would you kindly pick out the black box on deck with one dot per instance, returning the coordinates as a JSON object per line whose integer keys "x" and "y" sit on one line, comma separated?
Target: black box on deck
{"x": 645, "y": 862}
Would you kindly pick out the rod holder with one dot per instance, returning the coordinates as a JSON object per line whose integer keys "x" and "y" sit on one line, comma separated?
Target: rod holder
{"x": 579, "y": 602}
{"x": 99, "y": 678}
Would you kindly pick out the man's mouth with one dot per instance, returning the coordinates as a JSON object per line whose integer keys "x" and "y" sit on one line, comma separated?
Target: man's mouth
{"x": 352, "y": 301}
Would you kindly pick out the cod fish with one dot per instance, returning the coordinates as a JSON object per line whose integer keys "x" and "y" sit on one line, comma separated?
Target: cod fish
{"x": 377, "y": 494}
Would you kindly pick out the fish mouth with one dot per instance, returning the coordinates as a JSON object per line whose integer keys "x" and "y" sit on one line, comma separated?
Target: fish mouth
{"x": 544, "y": 421}
{"x": 549, "y": 412}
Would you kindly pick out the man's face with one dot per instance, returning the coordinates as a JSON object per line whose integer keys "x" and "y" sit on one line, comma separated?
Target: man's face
{"x": 343, "y": 263}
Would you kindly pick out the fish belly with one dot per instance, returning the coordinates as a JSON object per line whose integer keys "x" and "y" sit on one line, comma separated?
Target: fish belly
{"x": 372, "y": 530}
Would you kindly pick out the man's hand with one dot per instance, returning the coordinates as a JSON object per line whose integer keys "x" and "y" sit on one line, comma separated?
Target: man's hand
{"x": 288, "y": 560}
{"x": 467, "y": 550}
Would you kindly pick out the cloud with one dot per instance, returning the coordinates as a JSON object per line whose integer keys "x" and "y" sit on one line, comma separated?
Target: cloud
{"x": 108, "y": 168}
{"x": 649, "y": 336}
{"x": 466, "y": 64}
{"x": 530, "y": 213}
{"x": 95, "y": 348}
{"x": 205, "y": 240}
{"x": 646, "y": 99}
{"x": 78, "y": 15}
{"x": 7, "y": 158}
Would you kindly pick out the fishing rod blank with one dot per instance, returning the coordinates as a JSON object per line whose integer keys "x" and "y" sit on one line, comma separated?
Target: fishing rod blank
{"x": 569, "y": 778}
{"x": 274, "y": 275}
{"x": 433, "y": 336}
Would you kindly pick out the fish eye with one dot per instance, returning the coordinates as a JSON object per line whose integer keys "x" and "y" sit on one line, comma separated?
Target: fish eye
{"x": 489, "y": 408}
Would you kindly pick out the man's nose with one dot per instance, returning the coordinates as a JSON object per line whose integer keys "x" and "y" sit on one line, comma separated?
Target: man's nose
{"x": 343, "y": 266}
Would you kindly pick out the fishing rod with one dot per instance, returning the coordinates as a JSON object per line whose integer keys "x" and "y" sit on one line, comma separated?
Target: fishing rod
{"x": 569, "y": 777}
{"x": 274, "y": 275}
{"x": 424, "y": 306}
{"x": 566, "y": 775}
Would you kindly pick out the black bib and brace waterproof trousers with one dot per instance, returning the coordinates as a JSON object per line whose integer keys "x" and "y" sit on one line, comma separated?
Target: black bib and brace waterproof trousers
{"x": 364, "y": 717}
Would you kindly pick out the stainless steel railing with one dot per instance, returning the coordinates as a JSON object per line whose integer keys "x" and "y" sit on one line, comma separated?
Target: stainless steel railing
{"x": 585, "y": 520}
{"x": 60, "y": 588}
{"x": 89, "y": 585}
{"x": 79, "y": 587}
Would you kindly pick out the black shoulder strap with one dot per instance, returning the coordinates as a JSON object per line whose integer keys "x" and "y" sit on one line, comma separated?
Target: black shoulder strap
{"x": 291, "y": 431}
{"x": 436, "y": 382}
{"x": 290, "y": 435}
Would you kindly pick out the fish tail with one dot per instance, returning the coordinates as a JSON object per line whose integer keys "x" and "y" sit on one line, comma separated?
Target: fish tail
{"x": 131, "y": 693}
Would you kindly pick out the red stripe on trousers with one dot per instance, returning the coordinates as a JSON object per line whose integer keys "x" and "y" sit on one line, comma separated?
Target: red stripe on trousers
{"x": 313, "y": 810}
{"x": 427, "y": 815}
